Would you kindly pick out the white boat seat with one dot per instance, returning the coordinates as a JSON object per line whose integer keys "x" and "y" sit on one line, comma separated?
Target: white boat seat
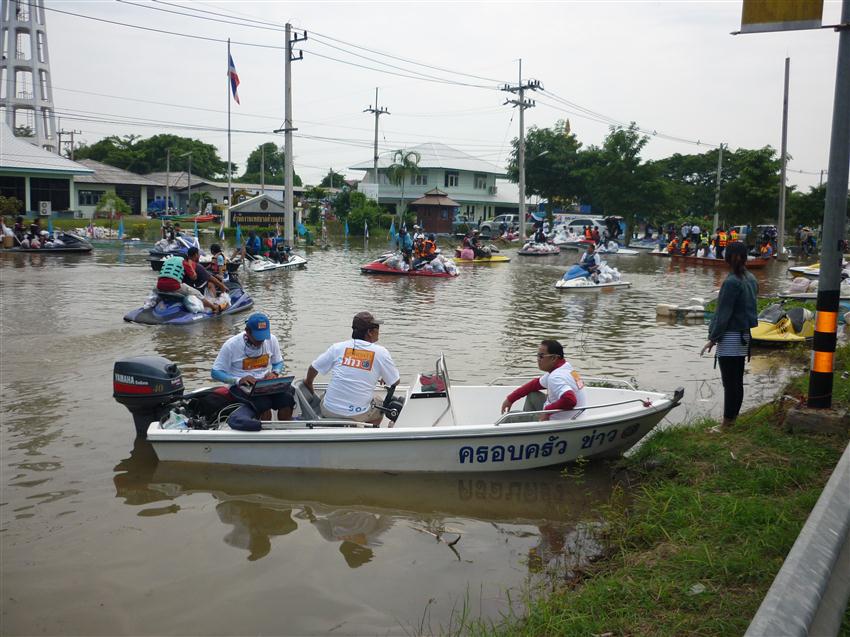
{"x": 308, "y": 402}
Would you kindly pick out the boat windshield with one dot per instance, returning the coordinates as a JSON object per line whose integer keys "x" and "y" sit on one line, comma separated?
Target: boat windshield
{"x": 443, "y": 373}
{"x": 772, "y": 313}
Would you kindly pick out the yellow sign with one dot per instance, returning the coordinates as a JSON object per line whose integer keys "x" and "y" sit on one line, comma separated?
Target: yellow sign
{"x": 759, "y": 16}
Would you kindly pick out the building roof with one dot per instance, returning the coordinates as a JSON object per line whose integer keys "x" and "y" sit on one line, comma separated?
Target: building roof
{"x": 435, "y": 197}
{"x": 273, "y": 204}
{"x": 178, "y": 182}
{"x": 18, "y": 154}
{"x": 106, "y": 174}
{"x": 437, "y": 155}
{"x": 176, "y": 179}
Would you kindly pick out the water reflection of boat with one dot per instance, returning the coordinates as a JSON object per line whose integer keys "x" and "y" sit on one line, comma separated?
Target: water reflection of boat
{"x": 540, "y": 494}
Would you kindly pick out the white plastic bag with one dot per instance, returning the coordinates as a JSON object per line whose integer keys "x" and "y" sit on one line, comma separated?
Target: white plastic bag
{"x": 193, "y": 304}
{"x": 175, "y": 421}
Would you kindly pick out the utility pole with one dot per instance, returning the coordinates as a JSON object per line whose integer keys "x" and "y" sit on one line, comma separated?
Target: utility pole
{"x": 378, "y": 111}
{"x": 834, "y": 228}
{"x": 717, "y": 192}
{"x": 331, "y": 173}
{"x": 189, "y": 180}
{"x": 263, "y": 169}
{"x": 289, "y": 225}
{"x": 522, "y": 103}
{"x": 167, "y": 181}
{"x": 780, "y": 241}
{"x": 70, "y": 133}
{"x": 820, "y": 183}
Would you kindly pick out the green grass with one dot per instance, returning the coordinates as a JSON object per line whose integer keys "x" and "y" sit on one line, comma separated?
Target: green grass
{"x": 697, "y": 538}
{"x": 763, "y": 302}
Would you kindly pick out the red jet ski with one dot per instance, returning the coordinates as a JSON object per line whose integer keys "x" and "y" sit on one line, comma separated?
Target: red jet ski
{"x": 379, "y": 266}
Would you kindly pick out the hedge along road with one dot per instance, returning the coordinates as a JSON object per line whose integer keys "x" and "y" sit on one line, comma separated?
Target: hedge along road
{"x": 119, "y": 544}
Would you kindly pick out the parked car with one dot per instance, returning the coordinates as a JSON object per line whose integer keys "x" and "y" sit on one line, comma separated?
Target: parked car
{"x": 577, "y": 225}
{"x": 461, "y": 224}
{"x": 490, "y": 227}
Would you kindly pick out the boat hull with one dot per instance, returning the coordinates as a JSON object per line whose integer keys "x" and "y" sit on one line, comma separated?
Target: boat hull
{"x": 499, "y": 258}
{"x": 173, "y": 313}
{"x": 752, "y": 264}
{"x": 484, "y": 448}
{"x": 564, "y": 285}
{"x": 296, "y": 262}
{"x": 532, "y": 253}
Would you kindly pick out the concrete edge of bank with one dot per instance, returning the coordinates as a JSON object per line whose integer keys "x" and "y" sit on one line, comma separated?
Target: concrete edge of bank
{"x": 809, "y": 594}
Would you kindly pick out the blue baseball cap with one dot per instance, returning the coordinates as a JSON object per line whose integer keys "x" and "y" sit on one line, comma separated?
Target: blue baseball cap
{"x": 259, "y": 326}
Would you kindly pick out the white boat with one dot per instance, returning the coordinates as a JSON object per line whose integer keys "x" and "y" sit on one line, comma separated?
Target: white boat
{"x": 586, "y": 285}
{"x": 615, "y": 248}
{"x": 264, "y": 264}
{"x": 438, "y": 428}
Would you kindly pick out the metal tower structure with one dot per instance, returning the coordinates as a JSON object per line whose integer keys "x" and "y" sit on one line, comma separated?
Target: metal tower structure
{"x": 26, "y": 91}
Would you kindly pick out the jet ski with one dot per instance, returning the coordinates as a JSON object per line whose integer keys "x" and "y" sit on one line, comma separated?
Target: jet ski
{"x": 170, "y": 309}
{"x": 62, "y": 243}
{"x": 577, "y": 278}
{"x": 615, "y": 248}
{"x": 393, "y": 263}
{"x": 491, "y": 258}
{"x": 264, "y": 264}
{"x": 778, "y": 326}
{"x": 179, "y": 247}
{"x": 532, "y": 249}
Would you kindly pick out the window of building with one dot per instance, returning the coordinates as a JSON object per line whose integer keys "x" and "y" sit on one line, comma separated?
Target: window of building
{"x": 2, "y": 84}
{"x": 42, "y": 55}
{"x": 45, "y": 123}
{"x": 23, "y": 47}
{"x": 480, "y": 181}
{"x": 420, "y": 179}
{"x": 22, "y": 10}
{"x": 5, "y": 48}
{"x": 452, "y": 179}
{"x": 23, "y": 85}
{"x": 89, "y": 197}
{"x": 56, "y": 191}
{"x": 42, "y": 80}
{"x": 13, "y": 187}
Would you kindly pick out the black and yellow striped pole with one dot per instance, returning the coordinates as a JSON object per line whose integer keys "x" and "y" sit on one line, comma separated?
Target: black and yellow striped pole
{"x": 834, "y": 228}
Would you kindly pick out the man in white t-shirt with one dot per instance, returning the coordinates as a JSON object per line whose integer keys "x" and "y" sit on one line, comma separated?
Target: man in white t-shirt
{"x": 563, "y": 385}
{"x": 356, "y": 366}
{"x": 251, "y": 356}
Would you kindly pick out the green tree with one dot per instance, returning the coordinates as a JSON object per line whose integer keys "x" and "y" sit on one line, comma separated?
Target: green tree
{"x": 273, "y": 164}
{"x": 144, "y": 156}
{"x": 333, "y": 180}
{"x": 199, "y": 200}
{"x": 363, "y": 210}
{"x": 405, "y": 164}
{"x": 113, "y": 204}
{"x": 10, "y": 205}
{"x": 751, "y": 195}
{"x": 807, "y": 209}
{"x": 620, "y": 181}
{"x": 551, "y": 164}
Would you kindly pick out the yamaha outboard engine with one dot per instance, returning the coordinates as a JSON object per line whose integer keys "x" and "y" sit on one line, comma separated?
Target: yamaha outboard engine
{"x": 146, "y": 385}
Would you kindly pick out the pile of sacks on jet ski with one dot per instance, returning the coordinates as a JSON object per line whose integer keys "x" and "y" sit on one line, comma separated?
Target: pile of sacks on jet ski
{"x": 801, "y": 285}
{"x": 542, "y": 248}
{"x": 612, "y": 246}
{"x": 438, "y": 264}
{"x": 605, "y": 274}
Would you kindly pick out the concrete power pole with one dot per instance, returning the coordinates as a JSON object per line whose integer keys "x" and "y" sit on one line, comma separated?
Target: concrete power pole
{"x": 522, "y": 103}
{"x": 834, "y": 228}
{"x": 717, "y": 192}
{"x": 378, "y": 111}
{"x": 71, "y": 134}
{"x": 780, "y": 241}
{"x": 288, "y": 206}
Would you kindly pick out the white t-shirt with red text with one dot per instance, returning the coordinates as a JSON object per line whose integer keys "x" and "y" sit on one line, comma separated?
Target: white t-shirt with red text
{"x": 559, "y": 381}
{"x": 356, "y": 367}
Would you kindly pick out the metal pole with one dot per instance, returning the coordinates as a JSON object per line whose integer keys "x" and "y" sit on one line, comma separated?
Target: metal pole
{"x": 521, "y": 158}
{"x": 167, "y": 179}
{"x": 289, "y": 225}
{"x": 717, "y": 192}
{"x": 780, "y": 241}
{"x": 189, "y": 184}
{"x": 263, "y": 169}
{"x": 229, "y": 175}
{"x": 834, "y": 228}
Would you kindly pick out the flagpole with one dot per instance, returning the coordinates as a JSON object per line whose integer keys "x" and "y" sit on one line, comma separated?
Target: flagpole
{"x": 229, "y": 176}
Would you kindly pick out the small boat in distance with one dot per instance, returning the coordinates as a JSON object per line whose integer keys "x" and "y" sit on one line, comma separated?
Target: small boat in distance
{"x": 753, "y": 263}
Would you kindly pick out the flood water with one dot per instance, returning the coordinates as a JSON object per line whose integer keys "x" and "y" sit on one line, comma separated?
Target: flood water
{"x": 97, "y": 538}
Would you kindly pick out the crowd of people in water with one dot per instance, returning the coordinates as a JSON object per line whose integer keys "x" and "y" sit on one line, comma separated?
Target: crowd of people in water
{"x": 30, "y": 236}
{"x": 691, "y": 240}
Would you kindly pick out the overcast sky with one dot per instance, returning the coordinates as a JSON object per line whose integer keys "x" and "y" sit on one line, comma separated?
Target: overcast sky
{"x": 672, "y": 67}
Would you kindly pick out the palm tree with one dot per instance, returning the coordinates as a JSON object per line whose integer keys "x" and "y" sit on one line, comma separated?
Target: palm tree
{"x": 405, "y": 164}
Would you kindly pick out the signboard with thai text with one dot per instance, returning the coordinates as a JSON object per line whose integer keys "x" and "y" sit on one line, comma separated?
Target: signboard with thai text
{"x": 759, "y": 16}
{"x": 262, "y": 219}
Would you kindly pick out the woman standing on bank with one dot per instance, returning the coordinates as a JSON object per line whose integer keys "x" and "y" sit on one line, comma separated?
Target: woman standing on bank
{"x": 730, "y": 327}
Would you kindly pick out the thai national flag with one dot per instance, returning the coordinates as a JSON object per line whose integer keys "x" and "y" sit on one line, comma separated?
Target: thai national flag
{"x": 234, "y": 78}
{"x": 221, "y": 230}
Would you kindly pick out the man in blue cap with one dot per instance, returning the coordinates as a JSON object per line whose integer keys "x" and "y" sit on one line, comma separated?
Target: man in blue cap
{"x": 251, "y": 356}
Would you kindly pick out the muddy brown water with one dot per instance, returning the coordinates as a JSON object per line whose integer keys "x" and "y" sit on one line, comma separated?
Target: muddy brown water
{"x": 98, "y": 538}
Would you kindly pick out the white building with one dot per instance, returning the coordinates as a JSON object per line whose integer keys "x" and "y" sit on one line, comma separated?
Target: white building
{"x": 132, "y": 188}
{"x": 474, "y": 183}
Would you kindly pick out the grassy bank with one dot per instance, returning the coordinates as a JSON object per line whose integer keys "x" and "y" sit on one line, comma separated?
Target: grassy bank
{"x": 698, "y": 531}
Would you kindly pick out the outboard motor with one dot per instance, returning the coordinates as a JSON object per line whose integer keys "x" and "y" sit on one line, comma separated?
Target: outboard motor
{"x": 146, "y": 385}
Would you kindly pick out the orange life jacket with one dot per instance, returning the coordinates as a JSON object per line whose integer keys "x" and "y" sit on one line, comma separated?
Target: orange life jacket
{"x": 686, "y": 244}
{"x": 721, "y": 239}
{"x": 733, "y": 235}
{"x": 671, "y": 247}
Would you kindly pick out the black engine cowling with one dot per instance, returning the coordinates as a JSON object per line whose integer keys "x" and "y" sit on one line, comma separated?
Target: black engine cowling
{"x": 146, "y": 385}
